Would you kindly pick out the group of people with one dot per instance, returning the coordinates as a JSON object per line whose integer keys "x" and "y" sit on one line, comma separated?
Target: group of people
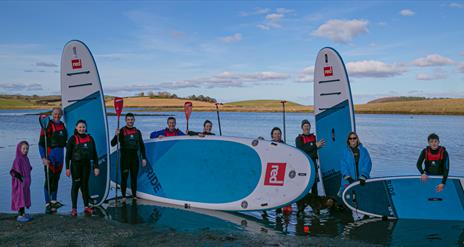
{"x": 81, "y": 157}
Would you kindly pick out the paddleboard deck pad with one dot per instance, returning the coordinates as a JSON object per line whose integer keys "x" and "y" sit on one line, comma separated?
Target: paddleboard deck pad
{"x": 407, "y": 198}
{"x": 82, "y": 98}
{"x": 222, "y": 173}
{"x": 333, "y": 108}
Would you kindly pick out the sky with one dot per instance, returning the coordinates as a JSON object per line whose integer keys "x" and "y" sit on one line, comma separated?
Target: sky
{"x": 237, "y": 50}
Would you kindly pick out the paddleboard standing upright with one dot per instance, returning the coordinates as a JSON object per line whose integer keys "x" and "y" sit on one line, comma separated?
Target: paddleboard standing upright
{"x": 82, "y": 98}
{"x": 333, "y": 108}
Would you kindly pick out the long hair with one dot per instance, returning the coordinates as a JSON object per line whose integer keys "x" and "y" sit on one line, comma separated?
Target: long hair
{"x": 348, "y": 138}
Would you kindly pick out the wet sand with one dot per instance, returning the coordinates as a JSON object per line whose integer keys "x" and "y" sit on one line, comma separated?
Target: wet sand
{"x": 64, "y": 230}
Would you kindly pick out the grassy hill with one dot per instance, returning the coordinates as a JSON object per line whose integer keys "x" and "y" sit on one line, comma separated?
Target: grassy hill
{"x": 397, "y": 105}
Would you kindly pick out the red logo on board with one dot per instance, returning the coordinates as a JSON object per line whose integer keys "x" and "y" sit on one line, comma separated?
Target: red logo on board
{"x": 275, "y": 174}
{"x": 76, "y": 64}
{"x": 328, "y": 71}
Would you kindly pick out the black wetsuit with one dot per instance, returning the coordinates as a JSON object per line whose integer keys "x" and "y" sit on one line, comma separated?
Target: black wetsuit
{"x": 81, "y": 152}
{"x": 440, "y": 166}
{"x": 307, "y": 143}
{"x": 131, "y": 143}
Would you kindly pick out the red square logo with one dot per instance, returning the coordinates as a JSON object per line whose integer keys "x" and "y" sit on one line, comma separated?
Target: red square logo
{"x": 328, "y": 71}
{"x": 76, "y": 64}
{"x": 275, "y": 174}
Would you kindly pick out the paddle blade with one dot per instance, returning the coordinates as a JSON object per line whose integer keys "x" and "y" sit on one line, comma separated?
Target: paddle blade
{"x": 43, "y": 120}
{"x": 187, "y": 109}
{"x": 118, "y": 105}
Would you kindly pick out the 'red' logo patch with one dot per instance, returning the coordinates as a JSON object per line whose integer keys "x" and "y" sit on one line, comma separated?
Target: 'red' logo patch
{"x": 275, "y": 174}
{"x": 328, "y": 71}
{"x": 76, "y": 64}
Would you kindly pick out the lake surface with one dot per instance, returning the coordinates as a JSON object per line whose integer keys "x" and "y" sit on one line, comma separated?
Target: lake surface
{"x": 393, "y": 141}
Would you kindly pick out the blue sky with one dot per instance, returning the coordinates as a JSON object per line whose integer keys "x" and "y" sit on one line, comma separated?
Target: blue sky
{"x": 237, "y": 50}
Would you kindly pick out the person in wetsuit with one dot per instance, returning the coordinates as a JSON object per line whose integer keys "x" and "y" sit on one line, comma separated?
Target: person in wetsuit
{"x": 307, "y": 143}
{"x": 56, "y": 141}
{"x": 81, "y": 156}
{"x": 207, "y": 127}
{"x": 131, "y": 142}
{"x": 436, "y": 161}
{"x": 171, "y": 130}
{"x": 356, "y": 163}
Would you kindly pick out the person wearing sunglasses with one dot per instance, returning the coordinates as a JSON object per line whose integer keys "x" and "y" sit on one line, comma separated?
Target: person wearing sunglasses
{"x": 356, "y": 163}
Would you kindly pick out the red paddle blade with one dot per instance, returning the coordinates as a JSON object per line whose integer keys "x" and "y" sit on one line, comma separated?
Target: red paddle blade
{"x": 118, "y": 104}
{"x": 187, "y": 109}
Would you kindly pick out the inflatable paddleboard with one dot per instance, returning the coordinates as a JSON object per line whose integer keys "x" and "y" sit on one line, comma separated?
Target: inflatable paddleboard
{"x": 333, "y": 108}
{"x": 407, "y": 198}
{"x": 82, "y": 98}
{"x": 223, "y": 173}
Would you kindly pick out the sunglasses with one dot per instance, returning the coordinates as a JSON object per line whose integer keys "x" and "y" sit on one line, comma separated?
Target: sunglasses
{"x": 352, "y": 138}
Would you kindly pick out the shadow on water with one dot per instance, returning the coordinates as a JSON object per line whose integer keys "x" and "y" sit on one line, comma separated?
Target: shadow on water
{"x": 163, "y": 217}
{"x": 337, "y": 226}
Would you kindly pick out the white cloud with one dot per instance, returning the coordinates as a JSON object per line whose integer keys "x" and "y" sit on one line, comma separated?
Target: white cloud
{"x": 13, "y": 88}
{"x": 307, "y": 75}
{"x": 223, "y": 80}
{"x": 429, "y": 77}
{"x": 273, "y": 20}
{"x": 232, "y": 38}
{"x": 274, "y": 17}
{"x": 461, "y": 67}
{"x": 341, "y": 31}
{"x": 372, "y": 68}
{"x": 407, "y": 12}
{"x": 456, "y": 5}
{"x": 432, "y": 60}
{"x": 45, "y": 64}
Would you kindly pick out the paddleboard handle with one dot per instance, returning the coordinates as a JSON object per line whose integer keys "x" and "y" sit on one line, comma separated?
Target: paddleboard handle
{"x": 333, "y": 134}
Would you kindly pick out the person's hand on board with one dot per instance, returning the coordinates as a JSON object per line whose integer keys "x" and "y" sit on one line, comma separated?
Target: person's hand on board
{"x": 439, "y": 187}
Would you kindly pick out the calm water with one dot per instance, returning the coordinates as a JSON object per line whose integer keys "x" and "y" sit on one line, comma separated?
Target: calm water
{"x": 394, "y": 142}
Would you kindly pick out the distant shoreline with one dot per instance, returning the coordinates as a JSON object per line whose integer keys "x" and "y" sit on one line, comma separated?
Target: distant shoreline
{"x": 148, "y": 104}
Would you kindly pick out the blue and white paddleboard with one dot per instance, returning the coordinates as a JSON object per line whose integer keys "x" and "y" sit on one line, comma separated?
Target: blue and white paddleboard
{"x": 407, "y": 198}
{"x": 223, "y": 173}
{"x": 82, "y": 98}
{"x": 333, "y": 108}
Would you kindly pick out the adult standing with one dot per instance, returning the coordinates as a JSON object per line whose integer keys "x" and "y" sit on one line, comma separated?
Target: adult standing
{"x": 307, "y": 143}
{"x": 356, "y": 163}
{"x": 131, "y": 142}
{"x": 81, "y": 154}
{"x": 56, "y": 136}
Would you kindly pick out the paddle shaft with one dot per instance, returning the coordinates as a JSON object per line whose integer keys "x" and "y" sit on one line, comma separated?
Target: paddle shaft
{"x": 46, "y": 155}
{"x": 117, "y": 161}
{"x": 219, "y": 119}
{"x": 283, "y": 119}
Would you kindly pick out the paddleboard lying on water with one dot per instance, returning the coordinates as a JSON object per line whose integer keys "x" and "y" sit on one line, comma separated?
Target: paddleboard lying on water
{"x": 82, "y": 98}
{"x": 223, "y": 173}
{"x": 333, "y": 108}
{"x": 407, "y": 198}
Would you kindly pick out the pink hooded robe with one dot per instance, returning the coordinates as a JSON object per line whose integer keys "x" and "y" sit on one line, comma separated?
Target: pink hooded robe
{"x": 20, "y": 191}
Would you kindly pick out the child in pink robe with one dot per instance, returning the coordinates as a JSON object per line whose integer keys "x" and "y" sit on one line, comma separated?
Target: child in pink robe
{"x": 21, "y": 182}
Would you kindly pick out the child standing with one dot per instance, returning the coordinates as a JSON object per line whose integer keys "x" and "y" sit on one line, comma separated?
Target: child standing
{"x": 21, "y": 182}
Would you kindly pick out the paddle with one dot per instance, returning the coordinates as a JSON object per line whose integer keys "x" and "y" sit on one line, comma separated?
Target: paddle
{"x": 43, "y": 120}
{"x": 219, "y": 119}
{"x": 283, "y": 119}
{"x": 118, "y": 105}
{"x": 188, "y": 110}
